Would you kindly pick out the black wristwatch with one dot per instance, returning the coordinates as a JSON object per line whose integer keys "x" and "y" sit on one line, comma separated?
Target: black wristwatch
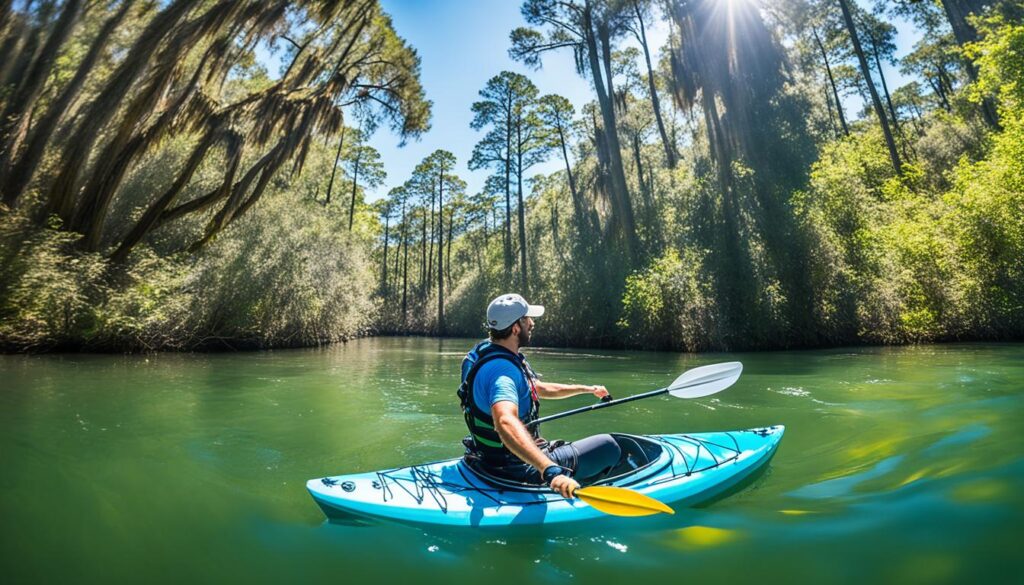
{"x": 553, "y": 471}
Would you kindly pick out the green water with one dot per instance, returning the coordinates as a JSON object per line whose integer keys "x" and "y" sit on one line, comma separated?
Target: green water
{"x": 898, "y": 465}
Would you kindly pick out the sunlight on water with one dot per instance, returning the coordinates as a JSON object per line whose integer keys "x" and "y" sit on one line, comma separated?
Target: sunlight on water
{"x": 898, "y": 465}
{"x": 695, "y": 537}
{"x": 984, "y": 490}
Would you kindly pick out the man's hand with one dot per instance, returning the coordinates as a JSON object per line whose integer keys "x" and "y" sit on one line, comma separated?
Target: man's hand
{"x": 564, "y": 485}
{"x": 599, "y": 391}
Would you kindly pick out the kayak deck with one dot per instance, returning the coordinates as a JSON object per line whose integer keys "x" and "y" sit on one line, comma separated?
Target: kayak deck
{"x": 683, "y": 469}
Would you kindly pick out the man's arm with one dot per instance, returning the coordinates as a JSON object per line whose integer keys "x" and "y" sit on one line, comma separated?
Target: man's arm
{"x": 519, "y": 441}
{"x": 553, "y": 390}
{"x": 516, "y": 437}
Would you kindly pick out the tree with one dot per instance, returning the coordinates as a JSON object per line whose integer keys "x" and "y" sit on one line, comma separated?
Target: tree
{"x": 729, "y": 63}
{"x": 505, "y": 98}
{"x": 557, "y": 113}
{"x": 817, "y": 35}
{"x": 957, "y": 13}
{"x": 640, "y": 11}
{"x": 170, "y": 81}
{"x": 363, "y": 163}
{"x": 589, "y": 29}
{"x": 881, "y": 38}
{"x": 385, "y": 208}
{"x": 931, "y": 61}
{"x": 442, "y": 162}
{"x": 337, "y": 162}
{"x": 909, "y": 98}
{"x": 530, "y": 147}
{"x": 894, "y": 156}
{"x": 17, "y": 168}
{"x": 16, "y": 116}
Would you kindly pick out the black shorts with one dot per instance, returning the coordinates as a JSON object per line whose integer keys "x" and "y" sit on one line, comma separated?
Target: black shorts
{"x": 589, "y": 459}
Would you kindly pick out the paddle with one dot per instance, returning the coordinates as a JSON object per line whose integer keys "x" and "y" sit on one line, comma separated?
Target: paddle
{"x": 702, "y": 381}
{"x": 620, "y": 501}
{"x": 695, "y": 383}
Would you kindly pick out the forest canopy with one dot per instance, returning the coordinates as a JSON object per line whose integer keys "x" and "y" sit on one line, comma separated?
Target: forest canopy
{"x": 162, "y": 189}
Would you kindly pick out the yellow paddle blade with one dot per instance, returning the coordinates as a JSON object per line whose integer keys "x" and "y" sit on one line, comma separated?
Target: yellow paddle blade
{"x": 621, "y": 501}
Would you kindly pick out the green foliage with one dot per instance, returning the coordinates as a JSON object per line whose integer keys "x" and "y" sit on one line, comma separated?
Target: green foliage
{"x": 999, "y": 57}
{"x": 670, "y": 304}
{"x": 769, "y": 232}
{"x": 44, "y": 291}
{"x": 898, "y": 261}
{"x": 288, "y": 274}
{"x": 54, "y": 296}
{"x": 986, "y": 224}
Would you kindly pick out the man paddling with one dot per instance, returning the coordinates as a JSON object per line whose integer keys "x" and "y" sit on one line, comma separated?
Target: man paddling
{"x": 500, "y": 398}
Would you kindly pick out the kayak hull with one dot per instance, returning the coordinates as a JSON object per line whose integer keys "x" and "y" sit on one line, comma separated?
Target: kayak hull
{"x": 680, "y": 470}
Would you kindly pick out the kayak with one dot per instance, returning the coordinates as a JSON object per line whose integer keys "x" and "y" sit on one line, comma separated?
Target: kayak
{"x": 679, "y": 470}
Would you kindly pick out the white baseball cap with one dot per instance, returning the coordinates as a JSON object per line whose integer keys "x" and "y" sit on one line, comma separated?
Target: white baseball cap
{"x": 509, "y": 308}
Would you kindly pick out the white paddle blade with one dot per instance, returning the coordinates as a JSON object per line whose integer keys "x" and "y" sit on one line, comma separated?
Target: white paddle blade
{"x": 706, "y": 380}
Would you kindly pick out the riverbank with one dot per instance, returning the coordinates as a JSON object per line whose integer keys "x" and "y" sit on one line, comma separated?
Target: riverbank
{"x": 217, "y": 345}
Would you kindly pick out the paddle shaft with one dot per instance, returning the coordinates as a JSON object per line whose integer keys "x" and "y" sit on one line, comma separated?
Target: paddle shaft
{"x": 597, "y": 406}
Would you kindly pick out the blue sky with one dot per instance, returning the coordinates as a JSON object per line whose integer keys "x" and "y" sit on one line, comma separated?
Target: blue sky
{"x": 462, "y": 44}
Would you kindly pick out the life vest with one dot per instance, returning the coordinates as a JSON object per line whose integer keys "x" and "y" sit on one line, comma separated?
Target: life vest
{"x": 484, "y": 440}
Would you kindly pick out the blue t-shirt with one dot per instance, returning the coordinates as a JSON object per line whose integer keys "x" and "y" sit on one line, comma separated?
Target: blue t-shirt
{"x": 500, "y": 379}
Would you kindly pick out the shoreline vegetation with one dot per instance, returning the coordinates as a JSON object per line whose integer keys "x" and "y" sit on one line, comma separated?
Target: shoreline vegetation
{"x": 163, "y": 191}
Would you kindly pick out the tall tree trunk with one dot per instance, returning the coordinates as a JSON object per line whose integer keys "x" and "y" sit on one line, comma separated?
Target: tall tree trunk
{"x": 875, "y": 101}
{"x": 577, "y": 203}
{"x": 618, "y": 191}
{"x": 957, "y": 12}
{"x": 423, "y": 252}
{"x": 448, "y": 253}
{"x": 13, "y": 183}
{"x": 430, "y": 253}
{"x": 944, "y": 81}
{"x": 355, "y": 185}
{"x": 14, "y": 122}
{"x": 334, "y": 169}
{"x": 523, "y": 276}
{"x": 384, "y": 264}
{"x": 405, "y": 268}
{"x": 396, "y": 269}
{"x": 832, "y": 83}
{"x": 10, "y": 47}
{"x": 61, "y": 196}
{"x": 508, "y": 185}
{"x": 21, "y": 51}
{"x": 5, "y": 14}
{"x": 150, "y": 218}
{"x": 670, "y": 152}
{"x": 440, "y": 251}
{"x": 645, "y": 192}
{"x": 885, "y": 90}
{"x": 831, "y": 115}
{"x": 937, "y": 88}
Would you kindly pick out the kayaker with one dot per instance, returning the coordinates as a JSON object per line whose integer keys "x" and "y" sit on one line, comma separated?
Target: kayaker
{"x": 500, "y": 397}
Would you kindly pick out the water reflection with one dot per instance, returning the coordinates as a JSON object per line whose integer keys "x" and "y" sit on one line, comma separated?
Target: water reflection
{"x": 899, "y": 465}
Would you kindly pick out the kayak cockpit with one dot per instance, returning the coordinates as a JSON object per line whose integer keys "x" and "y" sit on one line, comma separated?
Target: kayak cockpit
{"x": 638, "y": 454}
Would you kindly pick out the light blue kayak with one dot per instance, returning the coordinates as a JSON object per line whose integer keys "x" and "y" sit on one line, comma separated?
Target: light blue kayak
{"x": 680, "y": 470}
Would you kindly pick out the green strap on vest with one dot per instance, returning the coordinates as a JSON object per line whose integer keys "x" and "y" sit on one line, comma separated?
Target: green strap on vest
{"x": 485, "y": 438}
